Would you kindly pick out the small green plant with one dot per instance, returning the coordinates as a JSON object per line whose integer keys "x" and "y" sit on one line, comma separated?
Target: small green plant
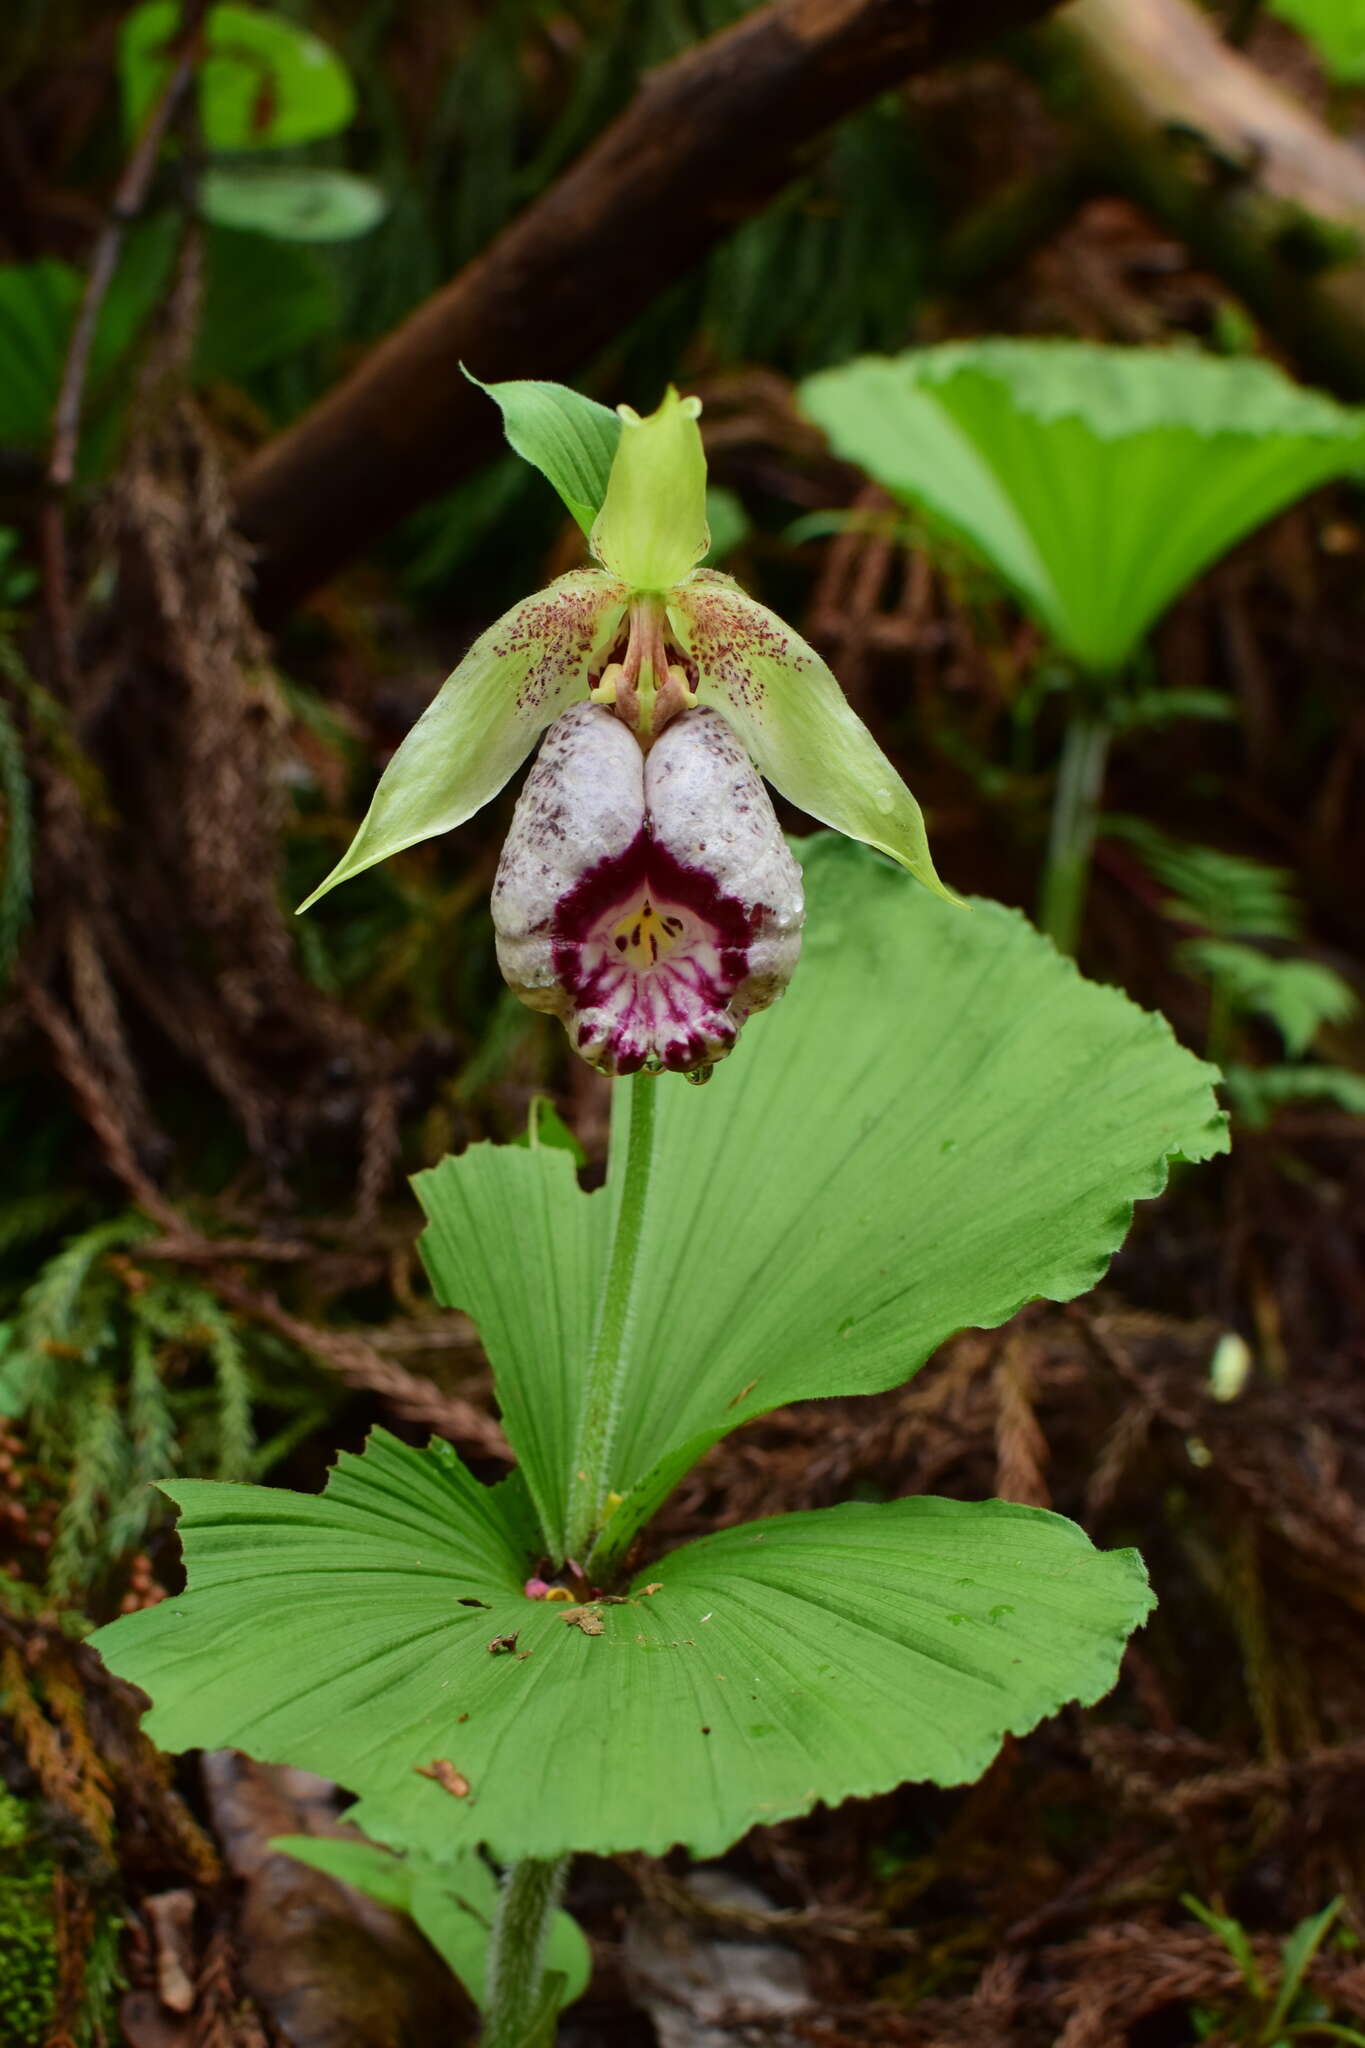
{"x": 1274, "y": 2014}
{"x": 1096, "y": 483}
{"x": 940, "y": 1122}
{"x": 1236, "y": 908}
{"x": 29, "y": 1981}
{"x": 122, "y": 1375}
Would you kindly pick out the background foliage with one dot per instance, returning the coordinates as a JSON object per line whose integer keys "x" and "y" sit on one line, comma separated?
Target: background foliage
{"x": 207, "y": 1256}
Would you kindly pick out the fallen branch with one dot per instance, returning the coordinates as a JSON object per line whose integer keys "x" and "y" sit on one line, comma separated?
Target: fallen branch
{"x": 707, "y": 141}
{"x": 1245, "y": 175}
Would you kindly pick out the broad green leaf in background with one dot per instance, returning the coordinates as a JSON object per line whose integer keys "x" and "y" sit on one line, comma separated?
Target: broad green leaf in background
{"x": 452, "y": 1902}
{"x": 727, "y": 521}
{"x": 245, "y": 272}
{"x": 1336, "y": 29}
{"x": 304, "y": 204}
{"x": 570, "y": 439}
{"x": 1097, "y": 482}
{"x": 265, "y": 83}
{"x": 940, "y": 1122}
{"x": 740, "y": 1679}
{"x": 38, "y": 305}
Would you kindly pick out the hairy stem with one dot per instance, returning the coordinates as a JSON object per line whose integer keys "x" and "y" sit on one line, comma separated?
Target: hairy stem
{"x": 529, "y": 1899}
{"x": 1075, "y": 819}
{"x": 591, "y": 1474}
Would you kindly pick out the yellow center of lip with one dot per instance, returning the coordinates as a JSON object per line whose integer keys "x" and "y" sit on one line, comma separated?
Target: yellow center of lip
{"x": 645, "y": 936}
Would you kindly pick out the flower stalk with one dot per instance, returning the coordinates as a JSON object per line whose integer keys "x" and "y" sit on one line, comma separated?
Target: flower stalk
{"x": 527, "y": 1904}
{"x": 1075, "y": 825}
{"x": 591, "y": 1468}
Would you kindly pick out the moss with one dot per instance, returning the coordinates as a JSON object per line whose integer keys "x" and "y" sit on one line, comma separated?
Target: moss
{"x": 14, "y": 1827}
{"x": 28, "y": 1940}
{"x": 28, "y": 1986}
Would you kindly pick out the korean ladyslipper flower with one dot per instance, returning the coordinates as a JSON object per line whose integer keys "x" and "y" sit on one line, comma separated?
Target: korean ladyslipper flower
{"x": 532, "y": 664}
{"x": 646, "y": 898}
{"x": 647, "y": 639}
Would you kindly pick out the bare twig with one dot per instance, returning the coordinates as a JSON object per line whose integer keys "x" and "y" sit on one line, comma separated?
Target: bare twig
{"x": 130, "y": 196}
{"x": 353, "y": 1359}
{"x": 188, "y": 1248}
{"x": 96, "y": 1104}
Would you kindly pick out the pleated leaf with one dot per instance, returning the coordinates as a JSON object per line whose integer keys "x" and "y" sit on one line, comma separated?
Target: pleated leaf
{"x": 1096, "y": 482}
{"x": 740, "y": 1679}
{"x": 940, "y": 1122}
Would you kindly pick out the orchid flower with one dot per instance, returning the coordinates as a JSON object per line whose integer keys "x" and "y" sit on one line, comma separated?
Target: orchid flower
{"x": 623, "y": 902}
{"x": 647, "y": 899}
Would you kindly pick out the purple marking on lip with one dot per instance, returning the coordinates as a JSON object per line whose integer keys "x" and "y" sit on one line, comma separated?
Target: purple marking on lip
{"x": 646, "y": 900}
{"x": 648, "y": 869}
{"x": 677, "y": 1007}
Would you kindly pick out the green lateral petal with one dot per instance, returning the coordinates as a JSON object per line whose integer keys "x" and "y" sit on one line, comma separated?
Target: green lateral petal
{"x": 652, "y": 527}
{"x": 532, "y": 664}
{"x": 796, "y": 722}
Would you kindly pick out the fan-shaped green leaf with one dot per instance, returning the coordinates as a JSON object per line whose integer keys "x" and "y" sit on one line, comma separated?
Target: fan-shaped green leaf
{"x": 1096, "y": 482}
{"x": 741, "y": 1679}
{"x": 265, "y": 83}
{"x": 940, "y": 1122}
{"x": 292, "y": 205}
{"x": 453, "y": 1903}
